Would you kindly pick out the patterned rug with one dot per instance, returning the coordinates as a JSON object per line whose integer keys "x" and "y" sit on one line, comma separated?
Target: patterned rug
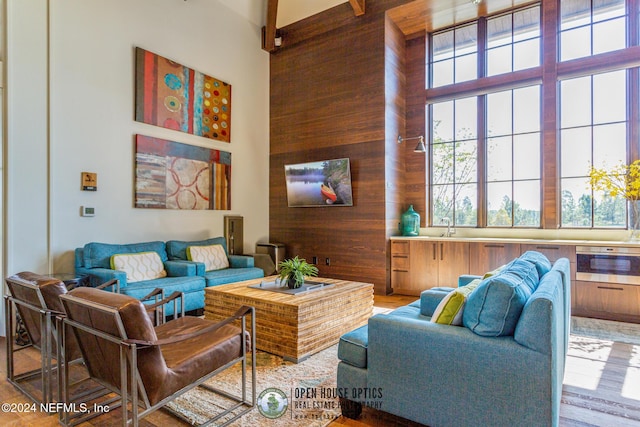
{"x": 309, "y": 387}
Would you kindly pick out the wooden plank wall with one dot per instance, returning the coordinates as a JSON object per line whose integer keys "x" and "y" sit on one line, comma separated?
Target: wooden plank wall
{"x": 328, "y": 101}
{"x": 395, "y": 124}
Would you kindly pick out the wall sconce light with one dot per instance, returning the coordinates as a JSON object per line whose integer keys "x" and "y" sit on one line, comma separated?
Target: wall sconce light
{"x": 420, "y": 148}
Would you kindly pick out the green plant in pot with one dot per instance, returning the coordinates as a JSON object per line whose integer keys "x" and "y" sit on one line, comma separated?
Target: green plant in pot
{"x": 294, "y": 271}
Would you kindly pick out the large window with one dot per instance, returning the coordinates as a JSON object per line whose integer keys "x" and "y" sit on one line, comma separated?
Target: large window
{"x": 455, "y": 151}
{"x": 492, "y": 141}
{"x": 593, "y": 112}
{"x": 514, "y": 132}
{"x": 513, "y": 157}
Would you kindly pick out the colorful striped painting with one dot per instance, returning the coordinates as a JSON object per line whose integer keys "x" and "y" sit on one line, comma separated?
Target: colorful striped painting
{"x": 171, "y": 175}
{"x": 173, "y": 96}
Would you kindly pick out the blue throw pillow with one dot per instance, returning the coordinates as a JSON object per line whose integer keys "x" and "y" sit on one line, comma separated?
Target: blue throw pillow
{"x": 494, "y": 307}
{"x": 542, "y": 263}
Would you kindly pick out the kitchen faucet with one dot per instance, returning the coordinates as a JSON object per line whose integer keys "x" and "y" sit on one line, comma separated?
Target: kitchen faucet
{"x": 449, "y": 231}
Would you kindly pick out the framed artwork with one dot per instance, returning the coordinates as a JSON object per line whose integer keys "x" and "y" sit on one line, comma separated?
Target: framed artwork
{"x": 172, "y": 175}
{"x": 176, "y": 97}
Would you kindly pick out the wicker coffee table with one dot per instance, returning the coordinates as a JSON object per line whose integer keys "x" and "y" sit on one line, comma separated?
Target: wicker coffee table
{"x": 295, "y": 326}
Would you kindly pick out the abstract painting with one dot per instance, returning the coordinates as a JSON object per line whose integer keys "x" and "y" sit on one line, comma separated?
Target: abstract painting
{"x": 171, "y": 175}
{"x": 173, "y": 96}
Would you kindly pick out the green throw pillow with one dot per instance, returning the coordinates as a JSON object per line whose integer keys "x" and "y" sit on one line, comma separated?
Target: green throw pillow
{"x": 450, "y": 309}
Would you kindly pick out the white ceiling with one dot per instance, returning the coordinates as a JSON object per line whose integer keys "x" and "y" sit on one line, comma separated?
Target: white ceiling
{"x": 289, "y": 11}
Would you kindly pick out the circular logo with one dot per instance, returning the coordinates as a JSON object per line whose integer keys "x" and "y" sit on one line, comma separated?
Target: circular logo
{"x": 272, "y": 403}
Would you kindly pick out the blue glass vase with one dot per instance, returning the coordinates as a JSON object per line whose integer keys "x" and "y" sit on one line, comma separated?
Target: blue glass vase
{"x": 410, "y": 222}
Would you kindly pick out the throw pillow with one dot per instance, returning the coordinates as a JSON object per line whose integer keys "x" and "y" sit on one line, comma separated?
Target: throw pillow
{"x": 213, "y": 256}
{"x": 542, "y": 263}
{"x": 494, "y": 308}
{"x": 139, "y": 266}
{"x": 494, "y": 272}
{"x": 450, "y": 309}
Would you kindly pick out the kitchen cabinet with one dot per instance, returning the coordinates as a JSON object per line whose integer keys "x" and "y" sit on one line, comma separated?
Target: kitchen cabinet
{"x": 487, "y": 256}
{"x": 612, "y": 301}
{"x": 417, "y": 265}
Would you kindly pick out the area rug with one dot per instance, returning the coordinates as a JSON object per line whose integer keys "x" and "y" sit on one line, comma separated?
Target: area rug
{"x": 309, "y": 386}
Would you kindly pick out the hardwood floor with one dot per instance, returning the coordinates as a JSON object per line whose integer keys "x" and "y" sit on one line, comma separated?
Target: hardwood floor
{"x": 601, "y": 388}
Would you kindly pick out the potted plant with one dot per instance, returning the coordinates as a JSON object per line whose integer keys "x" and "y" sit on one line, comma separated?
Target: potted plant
{"x": 621, "y": 181}
{"x": 294, "y": 271}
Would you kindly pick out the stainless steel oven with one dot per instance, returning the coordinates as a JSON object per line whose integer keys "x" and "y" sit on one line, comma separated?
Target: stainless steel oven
{"x": 608, "y": 264}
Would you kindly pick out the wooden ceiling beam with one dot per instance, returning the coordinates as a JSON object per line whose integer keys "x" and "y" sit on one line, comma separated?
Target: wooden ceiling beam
{"x": 358, "y": 7}
{"x": 269, "y": 31}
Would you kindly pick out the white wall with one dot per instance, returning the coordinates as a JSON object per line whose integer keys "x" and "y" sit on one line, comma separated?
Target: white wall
{"x": 91, "y": 87}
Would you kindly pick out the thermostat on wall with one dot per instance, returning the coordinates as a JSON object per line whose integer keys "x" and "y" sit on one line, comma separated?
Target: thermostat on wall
{"x": 87, "y": 211}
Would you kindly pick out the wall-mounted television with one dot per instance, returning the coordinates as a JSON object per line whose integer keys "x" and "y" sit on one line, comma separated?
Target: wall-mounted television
{"x": 323, "y": 183}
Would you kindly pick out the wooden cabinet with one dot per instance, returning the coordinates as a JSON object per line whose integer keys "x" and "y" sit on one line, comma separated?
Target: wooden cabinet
{"x": 554, "y": 253}
{"x": 486, "y": 256}
{"x": 611, "y": 301}
{"x": 417, "y": 265}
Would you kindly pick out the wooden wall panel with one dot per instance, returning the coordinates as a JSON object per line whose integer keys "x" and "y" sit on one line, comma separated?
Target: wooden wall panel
{"x": 395, "y": 113}
{"x": 328, "y": 101}
{"x": 416, "y": 163}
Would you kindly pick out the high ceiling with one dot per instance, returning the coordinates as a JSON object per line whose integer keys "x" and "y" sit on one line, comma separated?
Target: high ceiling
{"x": 413, "y": 17}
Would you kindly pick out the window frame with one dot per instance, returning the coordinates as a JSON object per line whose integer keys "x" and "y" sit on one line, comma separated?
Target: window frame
{"x": 549, "y": 74}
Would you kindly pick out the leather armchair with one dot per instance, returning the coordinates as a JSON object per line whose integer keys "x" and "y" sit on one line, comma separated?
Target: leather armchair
{"x": 36, "y": 298}
{"x": 148, "y": 367}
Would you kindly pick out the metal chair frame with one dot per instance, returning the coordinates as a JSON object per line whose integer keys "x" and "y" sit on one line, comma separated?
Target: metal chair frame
{"x": 47, "y": 336}
{"x": 50, "y": 325}
{"x": 129, "y": 362}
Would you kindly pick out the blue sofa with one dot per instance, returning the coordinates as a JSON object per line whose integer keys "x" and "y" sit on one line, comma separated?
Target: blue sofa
{"x": 502, "y": 367}
{"x": 94, "y": 259}
{"x": 240, "y": 266}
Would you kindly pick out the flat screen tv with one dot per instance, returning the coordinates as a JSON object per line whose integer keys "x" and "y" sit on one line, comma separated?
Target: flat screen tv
{"x": 323, "y": 183}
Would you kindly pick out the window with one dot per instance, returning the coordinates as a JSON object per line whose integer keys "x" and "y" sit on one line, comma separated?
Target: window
{"x": 590, "y": 27}
{"x": 455, "y": 56}
{"x": 593, "y": 131}
{"x": 455, "y": 151}
{"x": 513, "y": 158}
{"x": 495, "y": 161}
{"x": 513, "y": 41}
{"x": 509, "y": 139}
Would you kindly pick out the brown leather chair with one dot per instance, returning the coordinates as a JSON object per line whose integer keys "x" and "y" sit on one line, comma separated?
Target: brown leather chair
{"x": 37, "y": 299}
{"x": 148, "y": 367}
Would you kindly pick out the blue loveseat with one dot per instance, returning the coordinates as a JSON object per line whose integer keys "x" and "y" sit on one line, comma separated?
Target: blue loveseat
{"x": 503, "y": 367}
{"x": 94, "y": 259}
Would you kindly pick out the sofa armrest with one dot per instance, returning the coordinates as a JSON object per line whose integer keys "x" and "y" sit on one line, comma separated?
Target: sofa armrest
{"x": 240, "y": 261}
{"x": 465, "y": 279}
{"x": 451, "y": 367}
{"x": 179, "y": 268}
{"x": 98, "y": 276}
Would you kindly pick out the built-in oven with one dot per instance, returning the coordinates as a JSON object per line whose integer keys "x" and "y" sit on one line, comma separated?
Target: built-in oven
{"x": 608, "y": 264}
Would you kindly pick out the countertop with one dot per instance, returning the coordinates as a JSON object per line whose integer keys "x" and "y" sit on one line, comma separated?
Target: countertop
{"x": 530, "y": 241}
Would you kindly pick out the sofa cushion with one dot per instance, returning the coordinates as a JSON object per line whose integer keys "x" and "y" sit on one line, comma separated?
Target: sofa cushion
{"x": 139, "y": 266}
{"x": 230, "y": 275}
{"x": 213, "y": 256}
{"x": 449, "y": 310}
{"x": 542, "y": 263}
{"x": 177, "y": 249}
{"x": 494, "y": 307}
{"x": 352, "y": 347}
{"x": 97, "y": 254}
